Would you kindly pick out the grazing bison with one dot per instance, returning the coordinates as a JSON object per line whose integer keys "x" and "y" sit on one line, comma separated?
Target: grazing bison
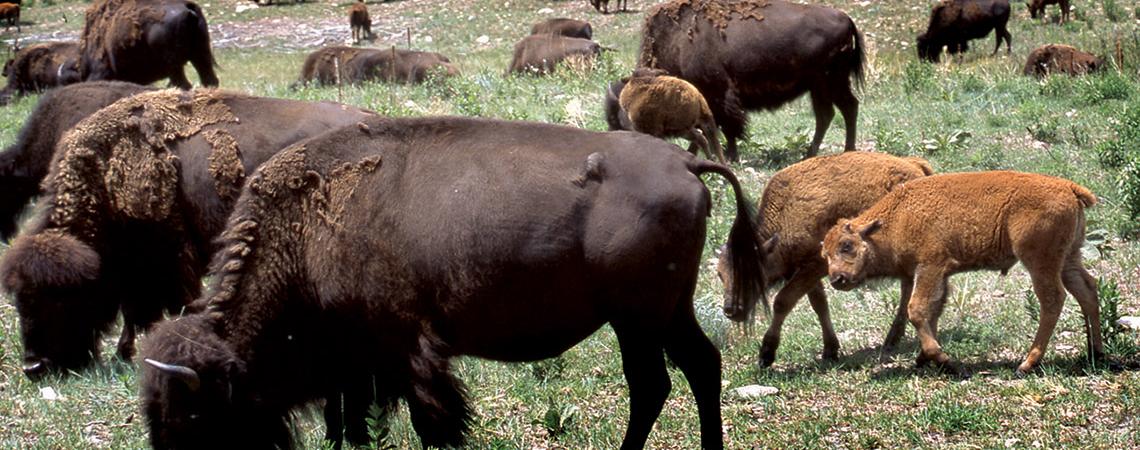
{"x": 540, "y": 53}
{"x": 359, "y": 21}
{"x": 25, "y": 163}
{"x": 384, "y": 246}
{"x": 564, "y": 27}
{"x": 799, "y": 204}
{"x": 759, "y": 54}
{"x": 659, "y": 105}
{"x": 931, "y": 228}
{"x": 953, "y": 23}
{"x": 144, "y": 41}
{"x": 10, "y": 14}
{"x": 1056, "y": 58}
{"x": 351, "y": 65}
{"x": 136, "y": 194}
{"x": 1037, "y": 7}
{"x": 39, "y": 67}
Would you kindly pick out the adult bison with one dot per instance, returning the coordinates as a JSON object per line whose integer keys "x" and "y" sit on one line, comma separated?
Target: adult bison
{"x": 39, "y": 67}
{"x": 953, "y": 23}
{"x": 135, "y": 196}
{"x": 351, "y": 65}
{"x": 25, "y": 163}
{"x": 759, "y": 54}
{"x": 539, "y": 53}
{"x": 1037, "y": 8}
{"x": 398, "y": 244}
{"x": 564, "y": 27}
{"x": 144, "y": 41}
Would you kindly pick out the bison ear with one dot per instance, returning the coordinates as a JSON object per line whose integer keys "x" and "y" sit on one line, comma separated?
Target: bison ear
{"x": 870, "y": 228}
{"x": 770, "y": 245}
{"x": 847, "y": 227}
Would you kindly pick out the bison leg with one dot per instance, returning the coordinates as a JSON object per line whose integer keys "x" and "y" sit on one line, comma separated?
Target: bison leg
{"x": 929, "y": 289}
{"x": 821, "y": 105}
{"x": 730, "y": 115}
{"x": 178, "y": 79}
{"x": 644, "y": 366}
{"x": 818, "y": 301}
{"x": 437, "y": 401}
{"x": 697, "y": 140}
{"x": 1050, "y": 294}
{"x": 1001, "y": 33}
{"x": 334, "y": 421}
{"x": 697, "y": 357}
{"x": 710, "y": 132}
{"x": 125, "y": 349}
{"x": 898, "y": 325}
{"x": 785, "y": 301}
{"x": 1083, "y": 287}
{"x": 849, "y": 107}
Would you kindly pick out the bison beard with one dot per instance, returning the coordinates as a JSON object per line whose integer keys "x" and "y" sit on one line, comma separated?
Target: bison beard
{"x": 372, "y": 245}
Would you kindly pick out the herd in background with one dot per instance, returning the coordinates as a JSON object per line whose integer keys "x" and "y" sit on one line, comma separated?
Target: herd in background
{"x": 323, "y": 243}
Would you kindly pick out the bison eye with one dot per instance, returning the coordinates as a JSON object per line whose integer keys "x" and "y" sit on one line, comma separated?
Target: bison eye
{"x": 846, "y": 247}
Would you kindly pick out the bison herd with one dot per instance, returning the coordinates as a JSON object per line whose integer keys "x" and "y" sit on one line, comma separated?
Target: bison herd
{"x": 351, "y": 257}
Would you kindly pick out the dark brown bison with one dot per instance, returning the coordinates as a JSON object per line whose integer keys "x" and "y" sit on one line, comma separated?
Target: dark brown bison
{"x": 603, "y": 6}
{"x": 385, "y": 246}
{"x": 350, "y": 65}
{"x": 144, "y": 41}
{"x": 564, "y": 27}
{"x": 1037, "y": 7}
{"x": 953, "y": 23}
{"x": 616, "y": 119}
{"x": 39, "y": 67}
{"x": 359, "y": 21}
{"x": 1056, "y": 58}
{"x": 25, "y": 163}
{"x": 759, "y": 54}
{"x": 135, "y": 196}
{"x": 540, "y": 53}
{"x": 10, "y": 14}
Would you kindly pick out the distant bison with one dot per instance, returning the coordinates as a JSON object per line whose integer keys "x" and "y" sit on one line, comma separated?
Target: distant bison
{"x": 39, "y": 67}
{"x": 564, "y": 27}
{"x": 1056, "y": 58}
{"x": 603, "y": 6}
{"x": 759, "y": 54}
{"x": 953, "y": 23}
{"x": 10, "y": 14}
{"x": 25, "y": 163}
{"x": 359, "y": 21}
{"x": 135, "y": 196}
{"x": 352, "y": 65}
{"x": 541, "y": 53}
{"x": 1037, "y": 7}
{"x": 659, "y": 105}
{"x": 143, "y": 41}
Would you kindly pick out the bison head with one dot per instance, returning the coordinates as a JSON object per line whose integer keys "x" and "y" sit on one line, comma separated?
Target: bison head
{"x": 741, "y": 309}
{"x": 194, "y": 392}
{"x": 50, "y": 277}
{"x": 847, "y": 250}
{"x": 928, "y": 50}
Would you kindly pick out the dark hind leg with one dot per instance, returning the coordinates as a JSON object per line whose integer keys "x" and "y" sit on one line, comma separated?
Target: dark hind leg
{"x": 437, "y": 402}
{"x": 999, "y": 34}
{"x": 1083, "y": 287}
{"x": 898, "y": 325}
{"x": 178, "y": 79}
{"x": 689, "y": 348}
{"x": 848, "y": 106}
{"x": 785, "y": 301}
{"x": 821, "y": 105}
{"x": 732, "y": 120}
{"x": 644, "y": 365}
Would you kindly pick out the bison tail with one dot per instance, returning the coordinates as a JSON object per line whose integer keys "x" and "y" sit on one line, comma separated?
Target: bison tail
{"x": 859, "y": 65}
{"x": 1085, "y": 196}
{"x": 742, "y": 238}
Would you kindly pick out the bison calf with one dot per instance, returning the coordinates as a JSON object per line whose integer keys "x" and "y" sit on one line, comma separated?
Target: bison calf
{"x": 540, "y": 53}
{"x": 1055, "y": 58}
{"x": 953, "y": 23}
{"x": 660, "y": 105}
{"x": 799, "y": 204}
{"x": 10, "y": 14}
{"x": 929, "y": 229}
{"x": 359, "y": 21}
{"x": 1037, "y": 7}
{"x": 351, "y": 65}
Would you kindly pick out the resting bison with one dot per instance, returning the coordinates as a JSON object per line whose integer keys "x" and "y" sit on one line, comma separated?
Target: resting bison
{"x": 564, "y": 27}
{"x": 359, "y": 21}
{"x": 540, "y": 53}
{"x": 39, "y": 67}
{"x": 759, "y": 54}
{"x": 144, "y": 41}
{"x": 384, "y": 246}
{"x": 350, "y": 65}
{"x": 953, "y": 23}
{"x": 931, "y": 228}
{"x": 1037, "y": 7}
{"x": 799, "y": 204}
{"x": 24, "y": 164}
{"x": 136, "y": 194}
{"x": 659, "y": 105}
{"x": 1055, "y": 58}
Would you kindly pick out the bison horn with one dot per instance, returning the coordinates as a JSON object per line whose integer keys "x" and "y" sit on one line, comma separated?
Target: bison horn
{"x": 183, "y": 373}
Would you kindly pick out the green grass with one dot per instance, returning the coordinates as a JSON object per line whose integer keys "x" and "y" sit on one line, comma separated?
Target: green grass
{"x": 978, "y": 113}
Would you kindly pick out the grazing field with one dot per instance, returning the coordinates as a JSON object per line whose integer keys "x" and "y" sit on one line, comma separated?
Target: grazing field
{"x": 973, "y": 113}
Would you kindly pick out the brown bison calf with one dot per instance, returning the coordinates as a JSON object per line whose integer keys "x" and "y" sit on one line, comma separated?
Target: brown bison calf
{"x": 540, "y": 53}
{"x": 564, "y": 27}
{"x": 1055, "y": 58}
{"x": 350, "y": 65}
{"x": 39, "y": 67}
{"x": 664, "y": 106}
{"x": 10, "y": 12}
{"x": 1038, "y": 7}
{"x": 931, "y": 228}
{"x": 799, "y": 204}
{"x": 359, "y": 21}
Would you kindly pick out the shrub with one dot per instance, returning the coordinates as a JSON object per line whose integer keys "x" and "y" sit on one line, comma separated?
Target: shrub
{"x": 918, "y": 76}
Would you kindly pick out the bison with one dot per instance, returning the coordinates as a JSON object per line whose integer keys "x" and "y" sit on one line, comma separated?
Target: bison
{"x": 540, "y": 53}
{"x": 799, "y": 204}
{"x": 759, "y": 54}
{"x": 10, "y": 14}
{"x": 135, "y": 195}
{"x": 39, "y": 67}
{"x": 659, "y": 105}
{"x": 929, "y": 229}
{"x": 359, "y": 21}
{"x": 564, "y": 27}
{"x": 1037, "y": 7}
{"x": 603, "y": 6}
{"x": 144, "y": 41}
{"x": 953, "y": 23}
{"x": 385, "y": 246}
{"x": 25, "y": 163}
{"x": 1056, "y": 58}
{"x": 350, "y": 65}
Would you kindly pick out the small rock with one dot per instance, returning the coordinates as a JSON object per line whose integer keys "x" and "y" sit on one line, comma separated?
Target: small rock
{"x": 1130, "y": 322}
{"x": 755, "y": 391}
{"x": 483, "y": 39}
{"x": 48, "y": 393}
{"x": 546, "y": 11}
{"x": 243, "y": 7}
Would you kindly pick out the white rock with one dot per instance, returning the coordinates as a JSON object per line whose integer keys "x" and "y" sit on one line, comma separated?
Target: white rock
{"x": 755, "y": 391}
{"x": 1129, "y": 322}
{"x": 48, "y": 393}
{"x": 245, "y": 6}
{"x": 483, "y": 39}
{"x": 427, "y": 39}
{"x": 546, "y": 11}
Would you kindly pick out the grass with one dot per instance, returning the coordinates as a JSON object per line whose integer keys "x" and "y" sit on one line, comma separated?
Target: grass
{"x": 978, "y": 113}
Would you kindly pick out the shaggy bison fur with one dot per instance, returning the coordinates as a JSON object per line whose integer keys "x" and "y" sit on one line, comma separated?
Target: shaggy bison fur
{"x": 800, "y": 203}
{"x": 387, "y": 248}
{"x": 759, "y": 54}
{"x": 39, "y": 67}
{"x": 931, "y": 228}
{"x": 1056, "y": 58}
{"x": 143, "y": 41}
{"x": 564, "y": 27}
{"x": 1037, "y": 8}
{"x": 25, "y": 163}
{"x": 539, "y": 53}
{"x": 660, "y": 105}
{"x": 953, "y": 23}
{"x": 135, "y": 196}
{"x": 350, "y": 65}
